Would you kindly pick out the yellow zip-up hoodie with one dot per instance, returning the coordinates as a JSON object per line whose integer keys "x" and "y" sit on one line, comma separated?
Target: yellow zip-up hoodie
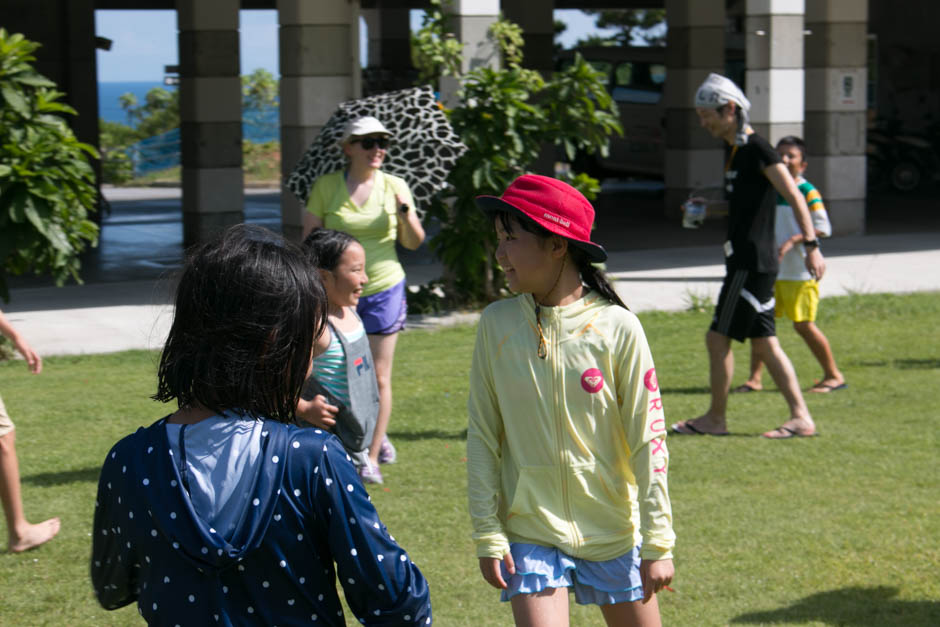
{"x": 567, "y": 451}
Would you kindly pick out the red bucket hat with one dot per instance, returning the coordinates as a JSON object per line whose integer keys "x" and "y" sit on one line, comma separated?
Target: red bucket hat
{"x": 552, "y": 204}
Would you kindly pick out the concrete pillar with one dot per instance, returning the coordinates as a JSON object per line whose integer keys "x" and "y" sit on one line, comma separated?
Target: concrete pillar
{"x": 471, "y": 20}
{"x": 319, "y": 64}
{"x": 389, "y": 51}
{"x": 395, "y": 40}
{"x": 774, "y": 38}
{"x": 373, "y": 20}
{"x": 80, "y": 82}
{"x": 210, "y": 117}
{"x": 836, "y": 103}
{"x": 538, "y": 31}
{"x": 695, "y": 47}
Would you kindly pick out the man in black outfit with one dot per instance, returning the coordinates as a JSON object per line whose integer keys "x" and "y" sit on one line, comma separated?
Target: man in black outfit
{"x": 753, "y": 171}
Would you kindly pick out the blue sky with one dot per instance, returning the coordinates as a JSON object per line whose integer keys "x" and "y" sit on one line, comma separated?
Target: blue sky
{"x": 145, "y": 41}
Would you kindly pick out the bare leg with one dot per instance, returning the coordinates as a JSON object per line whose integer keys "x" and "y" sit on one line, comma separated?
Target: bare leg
{"x": 21, "y": 533}
{"x": 383, "y": 353}
{"x": 635, "y": 614}
{"x": 819, "y": 346}
{"x": 754, "y": 381}
{"x": 780, "y": 368}
{"x": 548, "y": 608}
{"x": 720, "y": 370}
{"x": 721, "y": 367}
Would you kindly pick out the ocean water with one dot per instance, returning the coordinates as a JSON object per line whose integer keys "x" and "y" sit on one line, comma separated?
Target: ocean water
{"x": 109, "y": 106}
{"x": 258, "y": 128}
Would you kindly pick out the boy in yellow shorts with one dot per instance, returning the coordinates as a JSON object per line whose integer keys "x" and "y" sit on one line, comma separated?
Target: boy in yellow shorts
{"x": 796, "y": 291}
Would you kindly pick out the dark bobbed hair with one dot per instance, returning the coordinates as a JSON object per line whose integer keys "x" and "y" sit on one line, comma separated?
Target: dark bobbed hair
{"x": 248, "y": 309}
{"x": 324, "y": 247}
{"x": 797, "y": 142}
{"x": 593, "y": 276}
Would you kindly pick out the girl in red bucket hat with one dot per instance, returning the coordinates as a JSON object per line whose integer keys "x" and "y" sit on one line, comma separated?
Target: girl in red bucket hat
{"x": 566, "y": 450}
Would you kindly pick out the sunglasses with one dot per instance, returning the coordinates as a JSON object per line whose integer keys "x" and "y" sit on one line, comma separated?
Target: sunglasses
{"x": 368, "y": 143}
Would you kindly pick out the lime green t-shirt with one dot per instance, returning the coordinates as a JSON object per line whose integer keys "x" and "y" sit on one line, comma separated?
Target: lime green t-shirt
{"x": 374, "y": 224}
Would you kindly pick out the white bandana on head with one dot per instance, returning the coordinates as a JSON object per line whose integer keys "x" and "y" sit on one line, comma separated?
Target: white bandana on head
{"x": 716, "y": 92}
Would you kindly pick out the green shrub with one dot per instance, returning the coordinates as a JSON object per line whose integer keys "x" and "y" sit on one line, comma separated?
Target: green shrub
{"x": 505, "y": 117}
{"x": 47, "y": 186}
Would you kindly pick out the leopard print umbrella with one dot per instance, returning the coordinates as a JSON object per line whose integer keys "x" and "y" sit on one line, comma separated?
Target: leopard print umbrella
{"x": 424, "y": 146}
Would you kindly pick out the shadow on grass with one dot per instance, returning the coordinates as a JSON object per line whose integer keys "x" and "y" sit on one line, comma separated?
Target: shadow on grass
{"x": 851, "y": 606}
{"x": 931, "y": 363}
{"x": 870, "y": 364}
{"x": 698, "y": 390}
{"x": 81, "y": 475}
{"x": 434, "y": 434}
{"x": 726, "y": 436}
{"x": 927, "y": 363}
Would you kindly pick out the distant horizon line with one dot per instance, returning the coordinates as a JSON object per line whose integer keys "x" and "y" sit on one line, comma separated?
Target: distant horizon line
{"x": 156, "y": 80}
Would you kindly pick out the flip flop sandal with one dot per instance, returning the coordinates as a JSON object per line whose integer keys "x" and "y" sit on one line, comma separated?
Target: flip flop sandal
{"x": 677, "y": 429}
{"x": 785, "y": 433}
{"x": 823, "y": 388}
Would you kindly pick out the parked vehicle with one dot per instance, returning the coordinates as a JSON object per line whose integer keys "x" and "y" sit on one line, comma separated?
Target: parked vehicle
{"x": 901, "y": 160}
{"x": 634, "y": 78}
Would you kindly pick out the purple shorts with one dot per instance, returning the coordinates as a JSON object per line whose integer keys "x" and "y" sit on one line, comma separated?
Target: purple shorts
{"x": 383, "y": 313}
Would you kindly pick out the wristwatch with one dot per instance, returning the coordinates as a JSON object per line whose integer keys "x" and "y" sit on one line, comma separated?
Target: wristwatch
{"x": 811, "y": 243}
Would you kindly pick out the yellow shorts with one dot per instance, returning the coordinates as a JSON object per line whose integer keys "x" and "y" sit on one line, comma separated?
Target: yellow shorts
{"x": 797, "y": 300}
{"x": 6, "y": 425}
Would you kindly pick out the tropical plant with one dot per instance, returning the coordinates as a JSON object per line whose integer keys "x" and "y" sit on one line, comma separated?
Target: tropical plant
{"x": 505, "y": 117}
{"x": 160, "y": 113}
{"x": 645, "y": 24}
{"x": 259, "y": 90}
{"x": 47, "y": 186}
{"x": 114, "y": 138}
{"x": 435, "y": 50}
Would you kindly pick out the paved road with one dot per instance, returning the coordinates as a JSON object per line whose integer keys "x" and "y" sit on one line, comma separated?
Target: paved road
{"x": 656, "y": 266}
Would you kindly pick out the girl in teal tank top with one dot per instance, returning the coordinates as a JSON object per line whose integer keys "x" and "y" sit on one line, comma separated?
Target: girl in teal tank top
{"x": 341, "y": 395}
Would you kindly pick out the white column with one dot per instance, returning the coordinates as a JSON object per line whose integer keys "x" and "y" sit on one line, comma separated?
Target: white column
{"x": 471, "y": 21}
{"x": 319, "y": 64}
{"x": 774, "y": 77}
{"x": 836, "y": 104}
{"x": 695, "y": 48}
{"x": 210, "y": 117}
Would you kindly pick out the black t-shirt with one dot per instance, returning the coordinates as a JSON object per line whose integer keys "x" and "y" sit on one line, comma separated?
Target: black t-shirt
{"x": 751, "y": 206}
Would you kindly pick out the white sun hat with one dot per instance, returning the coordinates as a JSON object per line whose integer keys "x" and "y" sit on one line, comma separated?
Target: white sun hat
{"x": 366, "y": 125}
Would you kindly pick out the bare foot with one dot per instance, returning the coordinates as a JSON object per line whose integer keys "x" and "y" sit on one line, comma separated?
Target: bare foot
{"x": 703, "y": 425}
{"x": 793, "y": 428}
{"x": 36, "y": 535}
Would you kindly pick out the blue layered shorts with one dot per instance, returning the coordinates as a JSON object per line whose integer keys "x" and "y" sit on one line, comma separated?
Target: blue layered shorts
{"x": 595, "y": 583}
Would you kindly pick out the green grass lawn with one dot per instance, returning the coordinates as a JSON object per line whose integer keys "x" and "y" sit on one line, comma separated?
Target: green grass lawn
{"x": 841, "y": 529}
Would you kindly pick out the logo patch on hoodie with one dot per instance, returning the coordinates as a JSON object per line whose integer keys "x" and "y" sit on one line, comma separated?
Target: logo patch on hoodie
{"x": 592, "y": 380}
{"x": 650, "y": 380}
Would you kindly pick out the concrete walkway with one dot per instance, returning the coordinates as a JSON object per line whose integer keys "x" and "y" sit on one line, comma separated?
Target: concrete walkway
{"x": 114, "y": 316}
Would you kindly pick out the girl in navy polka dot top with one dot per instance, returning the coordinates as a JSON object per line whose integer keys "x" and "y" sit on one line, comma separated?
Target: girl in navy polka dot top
{"x": 225, "y": 512}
